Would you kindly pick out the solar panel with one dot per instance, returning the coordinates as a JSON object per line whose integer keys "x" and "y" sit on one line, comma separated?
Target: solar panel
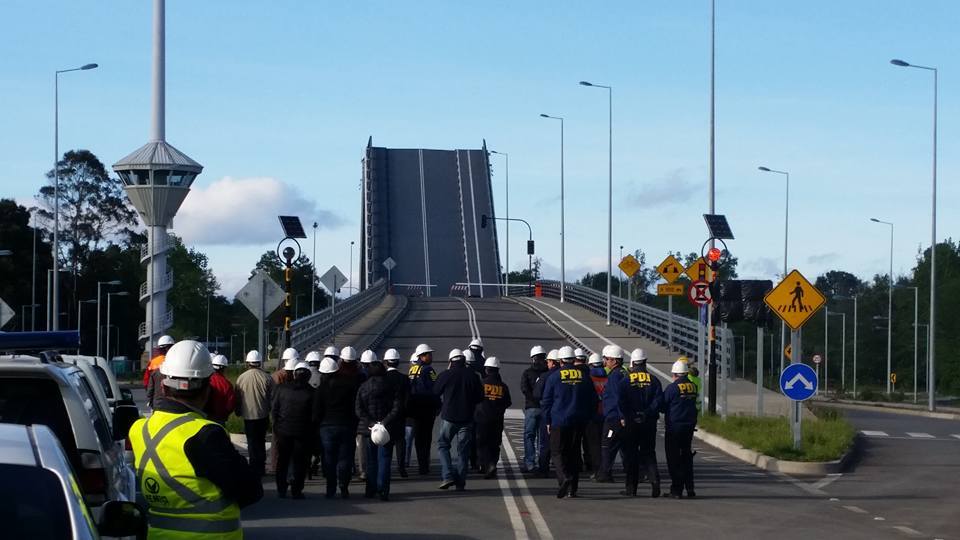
{"x": 292, "y": 227}
{"x": 718, "y": 226}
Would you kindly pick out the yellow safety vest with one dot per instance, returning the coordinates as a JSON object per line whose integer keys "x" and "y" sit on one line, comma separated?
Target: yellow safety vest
{"x": 181, "y": 505}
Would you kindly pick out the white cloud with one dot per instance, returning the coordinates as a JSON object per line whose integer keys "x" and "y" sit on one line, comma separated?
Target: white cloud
{"x": 243, "y": 211}
{"x": 673, "y": 188}
{"x": 763, "y": 267}
{"x": 823, "y": 258}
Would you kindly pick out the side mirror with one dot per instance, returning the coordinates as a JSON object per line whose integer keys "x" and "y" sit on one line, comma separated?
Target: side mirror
{"x": 122, "y": 518}
{"x": 123, "y": 418}
{"x": 126, "y": 395}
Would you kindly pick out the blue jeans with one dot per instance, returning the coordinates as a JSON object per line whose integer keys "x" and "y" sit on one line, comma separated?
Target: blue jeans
{"x": 379, "y": 459}
{"x": 459, "y": 434}
{"x": 338, "y": 448}
{"x": 408, "y": 436}
{"x": 532, "y": 419}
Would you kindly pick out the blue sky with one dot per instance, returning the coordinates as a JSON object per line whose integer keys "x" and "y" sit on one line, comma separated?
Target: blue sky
{"x": 277, "y": 99}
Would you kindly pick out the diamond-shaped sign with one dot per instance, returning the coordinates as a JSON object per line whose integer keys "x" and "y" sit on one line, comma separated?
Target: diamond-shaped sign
{"x": 6, "y": 313}
{"x": 253, "y": 292}
{"x": 333, "y": 279}
{"x": 630, "y": 265}
{"x": 700, "y": 271}
{"x": 389, "y": 264}
{"x": 670, "y": 269}
{"x": 795, "y": 300}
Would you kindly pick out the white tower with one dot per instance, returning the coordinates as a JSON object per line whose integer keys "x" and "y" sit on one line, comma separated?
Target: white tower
{"x": 157, "y": 178}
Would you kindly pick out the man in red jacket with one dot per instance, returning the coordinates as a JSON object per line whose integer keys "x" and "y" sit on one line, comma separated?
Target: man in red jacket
{"x": 223, "y": 400}
{"x": 160, "y": 352}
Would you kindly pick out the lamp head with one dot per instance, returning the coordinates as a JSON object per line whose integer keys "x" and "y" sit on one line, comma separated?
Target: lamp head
{"x": 544, "y": 115}
{"x": 900, "y": 63}
{"x": 585, "y": 83}
{"x": 875, "y": 220}
{"x": 764, "y": 169}
{"x": 121, "y": 293}
{"x": 89, "y": 66}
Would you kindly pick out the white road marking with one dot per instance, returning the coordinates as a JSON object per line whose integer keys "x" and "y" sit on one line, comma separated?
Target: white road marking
{"x": 856, "y": 509}
{"x": 541, "y": 525}
{"x": 921, "y": 435}
{"x": 879, "y": 518}
{"x": 827, "y": 480}
{"x": 519, "y": 529}
{"x": 956, "y": 436}
{"x": 875, "y": 433}
{"x": 908, "y": 530}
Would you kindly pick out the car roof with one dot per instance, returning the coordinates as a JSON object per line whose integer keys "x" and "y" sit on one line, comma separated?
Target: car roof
{"x": 15, "y": 446}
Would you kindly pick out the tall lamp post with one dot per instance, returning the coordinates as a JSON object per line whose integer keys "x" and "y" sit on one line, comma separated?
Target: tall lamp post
{"x": 609, "y": 195}
{"x": 931, "y": 346}
{"x": 111, "y": 283}
{"x": 80, "y": 304}
{"x": 563, "y": 237}
{"x": 889, "y": 307}
{"x": 313, "y": 274}
{"x": 56, "y": 188}
{"x": 506, "y": 194}
{"x": 351, "y": 268}
{"x": 110, "y": 296}
{"x": 786, "y": 242}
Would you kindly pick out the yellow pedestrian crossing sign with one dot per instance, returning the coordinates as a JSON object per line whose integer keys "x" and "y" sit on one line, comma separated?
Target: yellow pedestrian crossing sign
{"x": 630, "y": 265}
{"x": 700, "y": 271}
{"x": 670, "y": 269}
{"x": 795, "y": 300}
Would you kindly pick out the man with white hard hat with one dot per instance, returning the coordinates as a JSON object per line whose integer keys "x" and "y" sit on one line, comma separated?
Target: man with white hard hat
{"x": 254, "y": 394}
{"x": 181, "y": 457}
{"x": 223, "y": 399}
{"x": 391, "y": 357}
{"x": 489, "y": 417}
{"x": 423, "y": 404}
{"x": 408, "y": 429}
{"x": 157, "y": 355}
{"x": 378, "y": 402}
{"x": 476, "y": 347}
{"x": 610, "y": 440}
{"x": 639, "y": 395}
{"x": 533, "y": 446}
{"x": 288, "y": 361}
{"x": 293, "y": 430}
{"x": 679, "y": 408}
{"x": 335, "y": 412}
{"x": 313, "y": 362}
{"x": 461, "y": 391}
{"x": 543, "y": 457}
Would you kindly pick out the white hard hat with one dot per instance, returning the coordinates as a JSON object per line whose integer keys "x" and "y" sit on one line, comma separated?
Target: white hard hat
{"x": 165, "y": 341}
{"x": 679, "y": 368}
{"x": 332, "y": 352}
{"x": 468, "y": 356}
{"x": 422, "y": 348}
{"x": 491, "y": 362}
{"x": 455, "y": 354}
{"x": 368, "y": 357}
{"x": 290, "y": 364}
{"x": 579, "y": 353}
{"x": 595, "y": 359}
{"x": 565, "y": 353}
{"x": 313, "y": 356}
{"x": 391, "y": 354}
{"x": 328, "y": 365}
{"x": 219, "y": 360}
{"x": 348, "y": 354}
{"x": 552, "y": 355}
{"x": 638, "y": 355}
{"x": 289, "y": 353}
{"x": 537, "y": 349}
{"x": 612, "y": 351}
{"x": 301, "y": 365}
{"x": 253, "y": 357}
{"x": 187, "y": 362}
{"x": 414, "y": 359}
{"x": 476, "y": 343}
{"x": 379, "y": 434}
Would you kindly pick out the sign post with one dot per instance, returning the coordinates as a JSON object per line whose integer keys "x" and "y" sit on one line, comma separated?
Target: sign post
{"x": 670, "y": 270}
{"x": 760, "y": 339}
{"x": 333, "y": 279}
{"x": 261, "y": 295}
{"x": 629, "y": 265}
{"x": 390, "y": 264}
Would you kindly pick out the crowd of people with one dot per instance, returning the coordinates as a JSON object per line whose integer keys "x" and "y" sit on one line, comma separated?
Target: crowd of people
{"x": 351, "y": 415}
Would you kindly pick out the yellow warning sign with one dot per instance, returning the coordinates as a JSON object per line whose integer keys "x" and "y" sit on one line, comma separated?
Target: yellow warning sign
{"x": 795, "y": 300}
{"x": 893, "y": 378}
{"x": 700, "y": 271}
{"x": 630, "y": 265}
{"x": 788, "y": 351}
{"x": 671, "y": 289}
{"x": 670, "y": 269}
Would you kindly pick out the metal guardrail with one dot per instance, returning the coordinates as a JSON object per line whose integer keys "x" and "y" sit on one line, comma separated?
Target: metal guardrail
{"x": 163, "y": 284}
{"x": 165, "y": 322}
{"x": 323, "y": 324}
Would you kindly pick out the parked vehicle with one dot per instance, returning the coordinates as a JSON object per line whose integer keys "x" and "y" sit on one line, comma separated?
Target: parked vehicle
{"x": 39, "y": 494}
{"x": 104, "y": 376}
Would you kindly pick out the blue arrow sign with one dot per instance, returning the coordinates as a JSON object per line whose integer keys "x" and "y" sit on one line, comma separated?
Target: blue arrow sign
{"x": 798, "y": 382}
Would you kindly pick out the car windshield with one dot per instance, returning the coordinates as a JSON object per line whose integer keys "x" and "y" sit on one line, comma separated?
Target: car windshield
{"x": 27, "y": 401}
{"x": 103, "y": 380}
{"x": 32, "y": 504}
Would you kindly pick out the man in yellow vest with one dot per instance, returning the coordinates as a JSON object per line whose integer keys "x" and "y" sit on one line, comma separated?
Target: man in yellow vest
{"x": 193, "y": 480}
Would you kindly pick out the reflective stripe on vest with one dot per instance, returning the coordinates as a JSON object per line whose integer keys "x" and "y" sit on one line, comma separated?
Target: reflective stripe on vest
{"x": 179, "y": 502}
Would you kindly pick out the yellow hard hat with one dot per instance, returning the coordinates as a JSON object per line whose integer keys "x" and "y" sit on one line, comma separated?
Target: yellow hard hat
{"x": 683, "y": 359}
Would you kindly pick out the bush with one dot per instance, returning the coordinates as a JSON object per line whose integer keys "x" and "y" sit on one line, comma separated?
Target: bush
{"x": 234, "y": 424}
{"x": 897, "y": 397}
{"x": 824, "y": 439}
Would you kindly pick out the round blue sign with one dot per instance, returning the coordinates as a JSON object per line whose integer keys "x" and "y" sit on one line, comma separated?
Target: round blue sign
{"x": 798, "y": 382}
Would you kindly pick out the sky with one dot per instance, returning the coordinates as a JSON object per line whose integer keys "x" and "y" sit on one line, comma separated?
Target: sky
{"x": 277, "y": 101}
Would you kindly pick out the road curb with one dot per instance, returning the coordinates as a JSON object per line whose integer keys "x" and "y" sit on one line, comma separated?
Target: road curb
{"x": 772, "y": 464}
{"x": 885, "y": 407}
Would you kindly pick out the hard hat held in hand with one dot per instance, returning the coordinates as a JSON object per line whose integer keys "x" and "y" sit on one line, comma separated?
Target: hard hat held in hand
{"x": 348, "y": 354}
{"x": 679, "y": 368}
{"x": 491, "y": 362}
{"x": 187, "y": 361}
{"x": 536, "y": 350}
{"x": 379, "y": 434}
{"x": 253, "y": 357}
{"x": 329, "y": 365}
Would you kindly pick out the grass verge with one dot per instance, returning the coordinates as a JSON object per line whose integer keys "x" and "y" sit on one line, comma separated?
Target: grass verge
{"x": 825, "y": 438}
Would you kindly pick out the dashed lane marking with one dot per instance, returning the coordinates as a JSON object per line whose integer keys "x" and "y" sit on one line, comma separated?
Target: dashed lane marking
{"x": 907, "y": 530}
{"x": 956, "y": 436}
{"x": 827, "y": 480}
{"x": 921, "y": 435}
{"x": 875, "y": 433}
{"x": 856, "y": 509}
{"x": 538, "y": 522}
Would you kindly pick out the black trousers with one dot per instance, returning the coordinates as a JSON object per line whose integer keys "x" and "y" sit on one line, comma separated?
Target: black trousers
{"x": 609, "y": 447}
{"x": 398, "y": 436}
{"x": 565, "y": 453}
{"x": 256, "y": 431}
{"x": 295, "y": 452}
{"x": 489, "y": 437}
{"x": 591, "y": 445}
{"x": 640, "y": 453}
{"x": 677, "y": 443}
{"x": 423, "y": 437}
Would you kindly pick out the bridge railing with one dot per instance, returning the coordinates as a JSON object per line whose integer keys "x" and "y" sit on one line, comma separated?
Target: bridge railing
{"x": 322, "y": 325}
{"x": 681, "y": 334}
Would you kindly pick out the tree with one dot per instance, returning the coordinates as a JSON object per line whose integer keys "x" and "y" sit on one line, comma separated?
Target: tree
{"x": 16, "y": 272}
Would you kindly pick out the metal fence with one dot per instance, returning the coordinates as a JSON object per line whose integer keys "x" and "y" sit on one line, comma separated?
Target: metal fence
{"x": 323, "y": 325}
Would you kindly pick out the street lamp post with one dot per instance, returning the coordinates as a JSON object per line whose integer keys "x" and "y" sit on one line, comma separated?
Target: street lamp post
{"x": 56, "y": 188}
{"x": 351, "y": 268}
{"x": 506, "y": 193}
{"x": 313, "y": 275}
{"x": 931, "y": 346}
{"x": 563, "y": 232}
{"x": 786, "y": 241}
{"x": 843, "y": 349}
{"x": 110, "y": 296}
{"x": 889, "y": 308}
{"x": 609, "y": 195}
{"x": 80, "y": 304}
{"x": 99, "y": 283}
{"x": 33, "y": 273}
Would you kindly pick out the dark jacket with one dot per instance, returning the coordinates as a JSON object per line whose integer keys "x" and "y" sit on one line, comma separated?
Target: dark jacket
{"x": 461, "y": 390}
{"x": 402, "y": 382}
{"x": 378, "y": 401}
{"x": 679, "y": 405}
{"x": 336, "y": 399}
{"x": 527, "y": 383}
{"x": 541, "y": 383}
{"x": 611, "y": 403}
{"x": 293, "y": 409}
{"x": 496, "y": 400}
{"x": 639, "y": 394}
{"x": 568, "y": 397}
{"x": 214, "y": 457}
{"x": 423, "y": 400}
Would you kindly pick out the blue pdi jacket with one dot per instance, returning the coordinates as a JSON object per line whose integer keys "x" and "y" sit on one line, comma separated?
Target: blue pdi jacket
{"x": 422, "y": 397}
{"x": 679, "y": 405}
{"x": 639, "y": 396}
{"x": 568, "y": 397}
{"x": 611, "y": 403}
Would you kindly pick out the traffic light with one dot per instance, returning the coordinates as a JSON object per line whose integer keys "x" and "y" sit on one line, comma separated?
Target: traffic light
{"x": 529, "y": 247}
{"x": 483, "y": 221}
